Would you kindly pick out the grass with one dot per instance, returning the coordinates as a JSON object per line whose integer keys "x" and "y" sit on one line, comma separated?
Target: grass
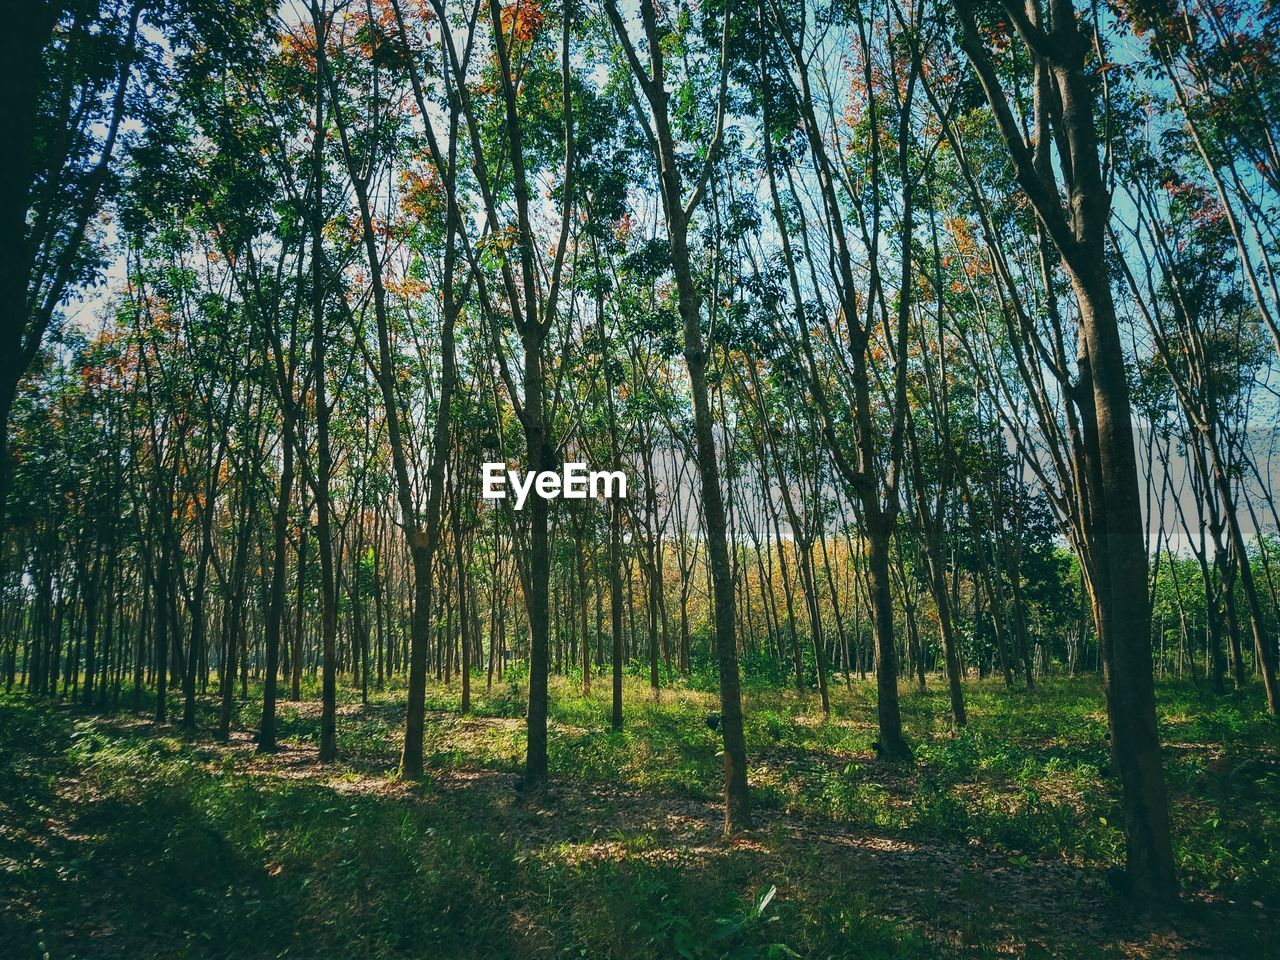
{"x": 120, "y": 839}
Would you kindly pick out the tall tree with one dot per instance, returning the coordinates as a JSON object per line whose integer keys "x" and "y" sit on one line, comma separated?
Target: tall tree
{"x": 678, "y": 210}
{"x": 1056, "y": 47}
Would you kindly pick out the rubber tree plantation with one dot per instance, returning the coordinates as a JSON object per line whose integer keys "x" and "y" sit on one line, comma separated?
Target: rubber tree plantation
{"x": 706, "y": 479}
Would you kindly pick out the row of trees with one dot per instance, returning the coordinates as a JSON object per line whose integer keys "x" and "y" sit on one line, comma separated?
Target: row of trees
{"x": 930, "y": 335}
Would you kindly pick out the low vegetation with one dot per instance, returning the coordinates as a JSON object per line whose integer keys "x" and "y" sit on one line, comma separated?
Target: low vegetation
{"x": 121, "y": 838}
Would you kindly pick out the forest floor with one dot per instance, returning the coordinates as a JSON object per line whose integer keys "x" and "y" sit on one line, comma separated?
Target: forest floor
{"x": 119, "y": 838}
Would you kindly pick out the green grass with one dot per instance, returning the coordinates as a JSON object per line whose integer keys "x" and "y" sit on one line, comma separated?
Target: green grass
{"x": 118, "y": 839}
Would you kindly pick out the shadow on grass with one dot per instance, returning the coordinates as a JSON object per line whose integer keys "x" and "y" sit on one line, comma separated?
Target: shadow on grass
{"x": 131, "y": 840}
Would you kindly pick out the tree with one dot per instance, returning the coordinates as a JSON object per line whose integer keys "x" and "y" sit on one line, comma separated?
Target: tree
{"x": 678, "y": 211}
{"x": 1116, "y": 553}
